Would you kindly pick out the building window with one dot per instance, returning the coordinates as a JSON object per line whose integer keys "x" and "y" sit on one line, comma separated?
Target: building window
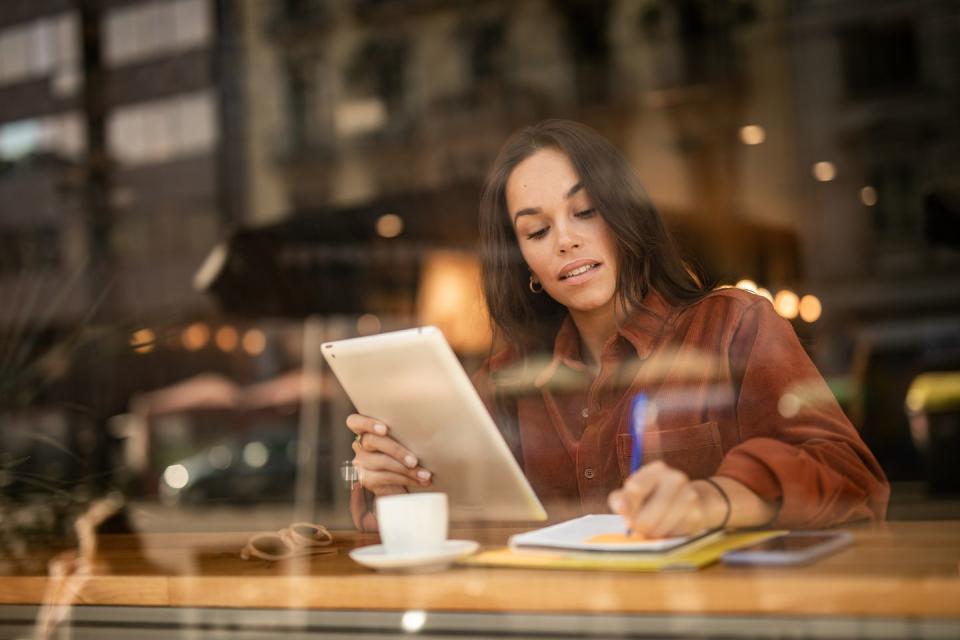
{"x": 879, "y": 59}
{"x": 151, "y": 29}
{"x": 375, "y": 85}
{"x": 587, "y": 28}
{"x": 29, "y": 250}
{"x": 163, "y": 130}
{"x": 44, "y": 47}
{"x": 298, "y": 101}
{"x": 486, "y": 49}
{"x": 302, "y": 9}
{"x": 378, "y": 71}
{"x": 61, "y": 135}
{"x": 896, "y": 214}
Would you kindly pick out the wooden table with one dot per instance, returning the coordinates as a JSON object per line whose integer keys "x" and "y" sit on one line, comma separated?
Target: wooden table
{"x": 900, "y": 580}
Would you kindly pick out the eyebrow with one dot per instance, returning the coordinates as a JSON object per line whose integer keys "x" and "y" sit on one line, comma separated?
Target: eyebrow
{"x": 531, "y": 211}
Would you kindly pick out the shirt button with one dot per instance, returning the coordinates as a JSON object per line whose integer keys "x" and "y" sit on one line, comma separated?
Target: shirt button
{"x": 585, "y": 413}
{"x": 588, "y": 473}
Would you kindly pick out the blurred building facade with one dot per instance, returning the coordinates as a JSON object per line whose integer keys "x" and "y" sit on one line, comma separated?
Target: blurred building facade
{"x": 795, "y": 143}
{"x": 358, "y": 110}
{"x": 799, "y": 143}
{"x": 876, "y": 94}
{"x": 110, "y": 132}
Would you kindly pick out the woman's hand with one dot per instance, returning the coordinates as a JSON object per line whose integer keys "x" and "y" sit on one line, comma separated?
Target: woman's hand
{"x": 384, "y": 465}
{"x": 659, "y": 501}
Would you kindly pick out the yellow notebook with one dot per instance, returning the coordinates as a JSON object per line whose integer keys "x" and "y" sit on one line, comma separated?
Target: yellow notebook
{"x": 707, "y": 551}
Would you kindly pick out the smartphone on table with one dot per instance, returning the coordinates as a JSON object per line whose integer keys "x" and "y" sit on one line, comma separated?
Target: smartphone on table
{"x": 794, "y": 548}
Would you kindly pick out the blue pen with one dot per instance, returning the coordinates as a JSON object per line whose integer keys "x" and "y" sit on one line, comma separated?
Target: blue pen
{"x": 638, "y": 418}
{"x": 638, "y": 422}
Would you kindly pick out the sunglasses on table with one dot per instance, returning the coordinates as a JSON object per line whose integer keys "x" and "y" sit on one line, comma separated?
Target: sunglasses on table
{"x": 299, "y": 539}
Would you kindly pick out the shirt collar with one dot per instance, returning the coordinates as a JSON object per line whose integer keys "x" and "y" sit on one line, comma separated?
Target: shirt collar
{"x": 640, "y": 331}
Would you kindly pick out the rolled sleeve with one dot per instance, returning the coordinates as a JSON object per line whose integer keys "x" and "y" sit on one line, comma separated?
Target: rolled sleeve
{"x": 797, "y": 447}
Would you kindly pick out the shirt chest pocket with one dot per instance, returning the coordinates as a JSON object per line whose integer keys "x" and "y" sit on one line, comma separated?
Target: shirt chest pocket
{"x": 695, "y": 450}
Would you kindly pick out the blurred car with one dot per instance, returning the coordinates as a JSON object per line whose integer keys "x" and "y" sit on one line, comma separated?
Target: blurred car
{"x": 256, "y": 467}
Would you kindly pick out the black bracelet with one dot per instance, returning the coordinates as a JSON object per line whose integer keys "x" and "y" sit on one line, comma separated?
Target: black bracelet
{"x": 726, "y": 500}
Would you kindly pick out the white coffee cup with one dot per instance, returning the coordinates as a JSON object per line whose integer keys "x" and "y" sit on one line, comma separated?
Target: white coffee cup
{"x": 412, "y": 522}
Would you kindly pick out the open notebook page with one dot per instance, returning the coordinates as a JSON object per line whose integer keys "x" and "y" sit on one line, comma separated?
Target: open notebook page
{"x": 595, "y": 533}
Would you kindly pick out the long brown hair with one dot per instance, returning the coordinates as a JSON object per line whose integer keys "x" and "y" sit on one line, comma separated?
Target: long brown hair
{"x": 647, "y": 256}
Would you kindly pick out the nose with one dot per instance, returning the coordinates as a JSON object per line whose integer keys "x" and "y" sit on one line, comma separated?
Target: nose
{"x": 567, "y": 240}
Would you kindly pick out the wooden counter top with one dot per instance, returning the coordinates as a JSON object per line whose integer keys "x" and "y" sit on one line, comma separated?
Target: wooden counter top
{"x": 903, "y": 569}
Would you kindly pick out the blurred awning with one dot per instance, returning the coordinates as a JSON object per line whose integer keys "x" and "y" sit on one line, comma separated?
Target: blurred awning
{"x": 334, "y": 261}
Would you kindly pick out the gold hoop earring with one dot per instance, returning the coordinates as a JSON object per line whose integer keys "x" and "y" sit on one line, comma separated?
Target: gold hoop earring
{"x": 535, "y": 285}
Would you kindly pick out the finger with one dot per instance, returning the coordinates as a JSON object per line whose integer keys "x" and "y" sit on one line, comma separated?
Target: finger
{"x": 376, "y": 481}
{"x": 638, "y": 487}
{"x": 385, "y": 444}
{"x": 361, "y": 425}
{"x": 664, "y": 484}
{"x": 382, "y": 462}
{"x": 617, "y": 501}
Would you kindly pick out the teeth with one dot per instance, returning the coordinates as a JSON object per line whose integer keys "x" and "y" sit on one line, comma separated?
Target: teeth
{"x": 579, "y": 270}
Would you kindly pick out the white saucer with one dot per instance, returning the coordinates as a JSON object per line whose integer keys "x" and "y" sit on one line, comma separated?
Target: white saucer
{"x": 376, "y": 557}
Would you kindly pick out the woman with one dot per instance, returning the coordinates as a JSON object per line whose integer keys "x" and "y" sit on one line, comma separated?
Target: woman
{"x": 743, "y": 430}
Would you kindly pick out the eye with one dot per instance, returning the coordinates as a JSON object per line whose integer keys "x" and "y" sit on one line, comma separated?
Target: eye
{"x": 537, "y": 234}
{"x": 587, "y": 213}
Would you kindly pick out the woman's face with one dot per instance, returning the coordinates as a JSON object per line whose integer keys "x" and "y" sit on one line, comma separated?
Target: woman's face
{"x": 564, "y": 240}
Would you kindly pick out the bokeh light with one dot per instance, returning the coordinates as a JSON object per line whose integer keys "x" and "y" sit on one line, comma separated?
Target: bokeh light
{"x": 196, "y": 336}
{"x": 255, "y": 454}
{"x": 810, "y": 308}
{"x": 752, "y": 134}
{"x": 143, "y": 340}
{"x": 389, "y": 225}
{"x": 824, "y": 171}
{"x": 226, "y": 338}
{"x": 254, "y": 342}
{"x": 413, "y": 621}
{"x": 868, "y": 196}
{"x": 367, "y": 324}
{"x": 786, "y": 303}
{"x": 176, "y": 476}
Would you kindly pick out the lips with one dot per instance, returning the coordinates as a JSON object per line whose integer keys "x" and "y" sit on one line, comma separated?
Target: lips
{"x": 577, "y": 268}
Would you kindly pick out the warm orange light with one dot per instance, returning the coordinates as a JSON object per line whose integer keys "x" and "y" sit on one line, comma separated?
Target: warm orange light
{"x": 143, "y": 341}
{"x": 810, "y": 308}
{"x": 196, "y": 336}
{"x": 752, "y": 134}
{"x": 226, "y": 338}
{"x": 389, "y": 225}
{"x": 868, "y": 196}
{"x": 254, "y": 342}
{"x": 747, "y": 285}
{"x": 786, "y": 303}
{"x": 824, "y": 171}
{"x": 450, "y": 298}
{"x": 765, "y": 293}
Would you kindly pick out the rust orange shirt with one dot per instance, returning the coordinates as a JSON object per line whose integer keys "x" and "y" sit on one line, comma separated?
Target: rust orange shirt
{"x": 732, "y": 391}
{"x": 733, "y": 394}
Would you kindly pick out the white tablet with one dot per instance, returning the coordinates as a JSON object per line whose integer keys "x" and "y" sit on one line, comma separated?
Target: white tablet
{"x": 413, "y": 382}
